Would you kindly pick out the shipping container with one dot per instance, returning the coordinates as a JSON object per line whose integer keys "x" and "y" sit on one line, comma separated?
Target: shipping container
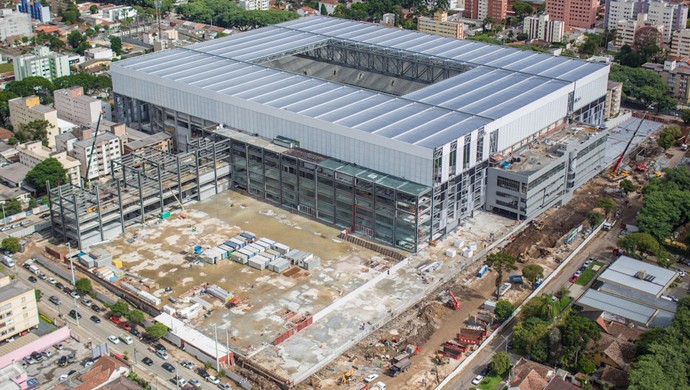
{"x": 281, "y": 248}
{"x": 239, "y": 257}
{"x": 249, "y": 236}
{"x": 255, "y": 247}
{"x": 239, "y": 241}
{"x": 247, "y": 253}
{"x": 262, "y": 245}
{"x": 267, "y": 241}
{"x": 256, "y": 263}
{"x": 291, "y": 254}
{"x": 233, "y": 245}
{"x": 271, "y": 254}
{"x": 312, "y": 263}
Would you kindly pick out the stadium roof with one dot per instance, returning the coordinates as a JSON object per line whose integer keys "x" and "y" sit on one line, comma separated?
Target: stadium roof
{"x": 500, "y": 79}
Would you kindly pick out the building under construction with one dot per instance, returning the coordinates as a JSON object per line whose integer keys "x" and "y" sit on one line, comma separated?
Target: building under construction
{"x": 143, "y": 184}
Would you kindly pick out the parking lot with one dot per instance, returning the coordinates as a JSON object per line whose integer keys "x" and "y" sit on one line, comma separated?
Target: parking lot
{"x": 48, "y": 372}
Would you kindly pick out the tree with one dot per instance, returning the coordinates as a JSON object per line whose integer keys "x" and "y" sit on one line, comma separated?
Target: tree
{"x": 36, "y": 130}
{"x": 49, "y": 170}
{"x": 34, "y": 85}
{"x": 93, "y": 9}
{"x": 685, "y": 116}
{"x": 120, "y": 308}
{"x": 12, "y": 207}
{"x": 504, "y": 309}
{"x": 541, "y": 307}
{"x": 586, "y": 366}
{"x": 666, "y": 203}
{"x": 500, "y": 262}
{"x": 607, "y": 204}
{"x": 522, "y": 9}
{"x": 627, "y": 186}
{"x": 531, "y": 338}
{"x": 135, "y": 316}
{"x": 522, "y": 37}
{"x": 668, "y": 136}
{"x": 643, "y": 86}
{"x": 83, "y": 285}
{"x": 11, "y": 244}
{"x": 592, "y": 45}
{"x": 533, "y": 272}
{"x": 157, "y": 330}
{"x": 500, "y": 363}
{"x": 594, "y": 218}
{"x": 116, "y": 45}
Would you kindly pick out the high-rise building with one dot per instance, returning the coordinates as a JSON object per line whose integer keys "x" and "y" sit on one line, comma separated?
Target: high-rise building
{"x": 440, "y": 25}
{"x": 481, "y": 9}
{"x": 540, "y": 27}
{"x": 43, "y": 63}
{"x": 252, "y": 5}
{"x": 675, "y": 74}
{"x": 27, "y": 109}
{"x": 36, "y": 10}
{"x": 14, "y": 23}
{"x": 680, "y": 43}
{"x": 614, "y": 94}
{"x": 673, "y": 16}
{"x": 617, "y": 10}
{"x": 72, "y": 105}
{"x": 94, "y": 156}
{"x": 575, "y": 13}
{"x": 33, "y": 153}
{"x": 627, "y": 28}
{"x": 18, "y": 308}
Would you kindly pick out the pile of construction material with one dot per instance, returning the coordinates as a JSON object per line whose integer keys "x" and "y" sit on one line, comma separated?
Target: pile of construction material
{"x": 466, "y": 250}
{"x": 97, "y": 258}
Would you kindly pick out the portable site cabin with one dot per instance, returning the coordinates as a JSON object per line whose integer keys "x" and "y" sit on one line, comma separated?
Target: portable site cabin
{"x": 239, "y": 257}
{"x": 281, "y": 248}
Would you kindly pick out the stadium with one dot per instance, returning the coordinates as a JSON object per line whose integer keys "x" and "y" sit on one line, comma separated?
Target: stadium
{"x": 389, "y": 133}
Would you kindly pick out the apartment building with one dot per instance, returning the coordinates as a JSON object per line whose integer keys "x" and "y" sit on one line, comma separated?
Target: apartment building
{"x": 42, "y": 63}
{"x": 541, "y": 27}
{"x": 627, "y": 28}
{"x": 481, "y": 9}
{"x": 680, "y": 43}
{"x": 13, "y": 24}
{"x": 440, "y": 25}
{"x": 32, "y": 153}
{"x": 27, "y": 109}
{"x": 253, "y": 5}
{"x": 575, "y": 13}
{"x": 673, "y": 16}
{"x": 94, "y": 155}
{"x": 617, "y": 10}
{"x": 18, "y": 308}
{"x": 35, "y": 10}
{"x": 614, "y": 95}
{"x": 676, "y": 74}
{"x": 72, "y": 105}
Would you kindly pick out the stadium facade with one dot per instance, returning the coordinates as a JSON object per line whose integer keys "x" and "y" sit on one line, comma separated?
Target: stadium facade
{"x": 387, "y": 132}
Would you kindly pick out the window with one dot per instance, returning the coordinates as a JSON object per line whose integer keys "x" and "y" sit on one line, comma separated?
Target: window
{"x": 510, "y": 184}
{"x": 453, "y": 160}
{"x": 466, "y": 152}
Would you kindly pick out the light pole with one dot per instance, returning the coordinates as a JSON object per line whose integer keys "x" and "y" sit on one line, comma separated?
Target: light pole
{"x": 215, "y": 331}
{"x": 76, "y": 311}
{"x": 71, "y": 264}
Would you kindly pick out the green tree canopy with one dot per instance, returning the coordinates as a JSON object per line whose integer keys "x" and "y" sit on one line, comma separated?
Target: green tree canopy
{"x": 120, "y": 308}
{"x": 504, "y": 309}
{"x": 530, "y": 337}
{"x": 643, "y": 85}
{"x": 643, "y": 243}
{"x": 595, "y": 218}
{"x": 12, "y": 207}
{"x": 157, "y": 330}
{"x": 48, "y": 170}
{"x": 541, "y": 307}
{"x": 11, "y": 244}
{"x": 522, "y": 9}
{"x": 83, "y": 285}
{"x": 668, "y": 136}
{"x": 93, "y": 9}
{"x": 533, "y": 272}
{"x": 685, "y": 116}
{"x": 500, "y": 363}
{"x": 607, "y": 204}
{"x": 501, "y": 262}
{"x": 36, "y": 130}
{"x": 627, "y": 186}
{"x": 28, "y": 86}
{"x": 116, "y": 45}
{"x": 666, "y": 203}
{"x": 91, "y": 83}
{"x": 230, "y": 15}
{"x": 135, "y": 316}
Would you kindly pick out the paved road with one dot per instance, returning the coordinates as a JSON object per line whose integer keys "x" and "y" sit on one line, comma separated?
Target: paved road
{"x": 88, "y": 330}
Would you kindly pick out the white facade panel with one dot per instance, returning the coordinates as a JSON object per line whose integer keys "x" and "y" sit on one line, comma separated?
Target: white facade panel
{"x": 445, "y": 167}
{"x": 590, "y": 88}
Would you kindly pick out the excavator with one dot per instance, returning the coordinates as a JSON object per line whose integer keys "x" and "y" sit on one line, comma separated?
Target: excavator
{"x": 346, "y": 377}
{"x": 441, "y": 359}
{"x": 453, "y": 303}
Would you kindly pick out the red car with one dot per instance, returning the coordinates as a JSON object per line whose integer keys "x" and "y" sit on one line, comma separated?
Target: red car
{"x": 124, "y": 326}
{"x": 573, "y": 279}
{"x": 115, "y": 320}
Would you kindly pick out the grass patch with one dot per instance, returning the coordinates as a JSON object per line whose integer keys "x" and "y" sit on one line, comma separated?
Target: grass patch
{"x": 588, "y": 274}
{"x": 562, "y": 303}
{"x": 490, "y": 382}
{"x": 6, "y": 67}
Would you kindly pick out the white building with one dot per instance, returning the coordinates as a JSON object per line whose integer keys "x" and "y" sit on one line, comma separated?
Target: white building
{"x": 33, "y": 153}
{"x": 672, "y": 16}
{"x": 540, "y": 27}
{"x": 117, "y": 13}
{"x": 72, "y": 105}
{"x": 80, "y": 144}
{"x": 617, "y": 10}
{"x": 680, "y": 43}
{"x": 330, "y": 6}
{"x": 13, "y": 23}
{"x": 626, "y": 29}
{"x": 43, "y": 63}
{"x": 98, "y": 53}
{"x": 252, "y": 5}
{"x": 28, "y": 109}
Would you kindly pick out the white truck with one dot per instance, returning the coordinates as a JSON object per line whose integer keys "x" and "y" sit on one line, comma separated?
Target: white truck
{"x": 609, "y": 224}
{"x": 379, "y": 385}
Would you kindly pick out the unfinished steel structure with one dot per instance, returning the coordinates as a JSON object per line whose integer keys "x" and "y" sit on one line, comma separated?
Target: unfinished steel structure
{"x": 145, "y": 183}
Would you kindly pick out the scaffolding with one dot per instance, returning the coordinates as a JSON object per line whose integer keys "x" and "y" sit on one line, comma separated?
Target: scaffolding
{"x": 145, "y": 183}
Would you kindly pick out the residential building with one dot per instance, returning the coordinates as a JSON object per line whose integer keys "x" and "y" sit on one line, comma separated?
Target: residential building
{"x": 32, "y": 153}
{"x": 440, "y": 25}
{"x": 13, "y": 175}
{"x": 93, "y": 154}
{"x": 627, "y": 28}
{"x": 13, "y": 23}
{"x": 575, "y": 13}
{"x": 673, "y": 16}
{"x": 614, "y": 95}
{"x": 542, "y": 28}
{"x": 613, "y": 352}
{"x": 481, "y": 9}
{"x": 35, "y": 9}
{"x": 630, "y": 291}
{"x": 98, "y": 53}
{"x": 117, "y": 13}
{"x": 72, "y": 105}
{"x": 527, "y": 374}
{"x": 106, "y": 370}
{"x": 680, "y": 43}
{"x": 329, "y": 5}
{"x": 609, "y": 377}
{"x": 27, "y": 109}
{"x": 42, "y": 63}
{"x": 675, "y": 74}
{"x": 18, "y": 308}
{"x": 253, "y": 5}
{"x": 8, "y": 193}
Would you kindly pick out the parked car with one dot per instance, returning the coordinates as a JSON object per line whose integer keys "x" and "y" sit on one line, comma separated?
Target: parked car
{"x": 213, "y": 379}
{"x": 168, "y": 367}
{"x": 70, "y": 357}
{"x": 62, "y": 361}
{"x": 58, "y": 346}
{"x": 147, "y": 360}
{"x": 47, "y": 353}
{"x": 74, "y": 314}
{"x": 179, "y": 381}
{"x": 195, "y": 382}
{"x": 33, "y": 279}
{"x": 59, "y": 286}
{"x": 371, "y": 378}
{"x": 96, "y": 308}
{"x": 95, "y": 319}
{"x": 573, "y": 279}
{"x": 224, "y": 386}
{"x": 187, "y": 364}
{"x": 681, "y": 273}
{"x": 54, "y": 300}
{"x": 202, "y": 373}
{"x": 43, "y": 276}
{"x": 52, "y": 280}
{"x": 88, "y": 363}
{"x": 75, "y": 295}
{"x": 477, "y": 379}
{"x": 135, "y": 332}
{"x": 162, "y": 354}
{"x": 114, "y": 339}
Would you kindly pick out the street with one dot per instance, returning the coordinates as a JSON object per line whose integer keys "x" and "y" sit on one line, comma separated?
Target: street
{"x": 98, "y": 333}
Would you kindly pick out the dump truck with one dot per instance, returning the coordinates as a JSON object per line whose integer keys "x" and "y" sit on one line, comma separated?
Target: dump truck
{"x": 399, "y": 367}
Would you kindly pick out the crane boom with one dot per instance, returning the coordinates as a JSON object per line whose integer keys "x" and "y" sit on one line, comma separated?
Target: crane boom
{"x": 85, "y": 179}
{"x": 614, "y": 171}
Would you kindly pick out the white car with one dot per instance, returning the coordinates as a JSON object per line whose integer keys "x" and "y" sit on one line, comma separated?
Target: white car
{"x": 63, "y": 377}
{"x": 213, "y": 379}
{"x": 52, "y": 280}
{"x": 477, "y": 379}
{"x": 75, "y": 295}
{"x": 371, "y": 378}
{"x": 681, "y": 273}
{"x": 114, "y": 339}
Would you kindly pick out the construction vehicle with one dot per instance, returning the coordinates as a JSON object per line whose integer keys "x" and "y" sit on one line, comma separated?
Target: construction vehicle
{"x": 399, "y": 367}
{"x": 613, "y": 173}
{"x": 523, "y": 258}
{"x": 453, "y": 303}
{"x": 346, "y": 377}
{"x": 441, "y": 359}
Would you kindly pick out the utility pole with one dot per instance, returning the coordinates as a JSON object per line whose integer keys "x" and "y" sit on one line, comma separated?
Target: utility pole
{"x": 71, "y": 264}
{"x": 76, "y": 311}
{"x": 215, "y": 331}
